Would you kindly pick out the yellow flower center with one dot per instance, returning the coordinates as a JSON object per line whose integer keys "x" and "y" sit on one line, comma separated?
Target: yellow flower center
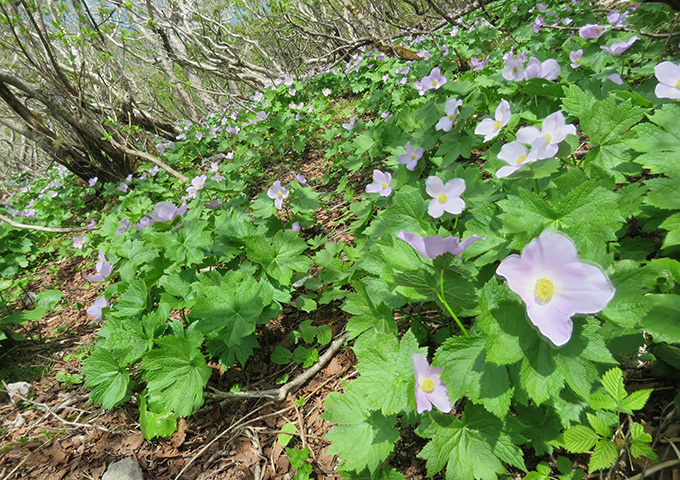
{"x": 452, "y": 116}
{"x": 514, "y": 69}
{"x": 427, "y": 385}
{"x": 413, "y": 156}
{"x": 677, "y": 85}
{"x": 497, "y": 125}
{"x": 434, "y": 83}
{"x": 383, "y": 185}
{"x": 544, "y": 289}
{"x": 598, "y": 30}
{"x": 577, "y": 62}
{"x": 521, "y": 159}
{"x": 279, "y": 194}
{"x": 548, "y": 138}
{"x": 442, "y": 198}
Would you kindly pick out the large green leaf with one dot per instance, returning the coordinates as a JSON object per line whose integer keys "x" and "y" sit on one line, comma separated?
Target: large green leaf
{"x": 108, "y": 379}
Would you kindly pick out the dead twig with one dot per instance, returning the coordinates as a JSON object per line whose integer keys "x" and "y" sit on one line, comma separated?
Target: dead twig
{"x": 44, "y": 229}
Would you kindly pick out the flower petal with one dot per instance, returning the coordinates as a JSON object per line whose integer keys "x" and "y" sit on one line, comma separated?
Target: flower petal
{"x": 552, "y": 323}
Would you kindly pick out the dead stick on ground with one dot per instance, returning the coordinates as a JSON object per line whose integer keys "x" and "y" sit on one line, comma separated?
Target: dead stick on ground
{"x": 44, "y": 229}
{"x": 281, "y": 393}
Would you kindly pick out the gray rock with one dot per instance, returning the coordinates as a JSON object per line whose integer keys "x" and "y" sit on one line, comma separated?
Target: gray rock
{"x": 29, "y": 299}
{"x": 125, "y": 469}
{"x": 205, "y": 163}
{"x": 22, "y": 388}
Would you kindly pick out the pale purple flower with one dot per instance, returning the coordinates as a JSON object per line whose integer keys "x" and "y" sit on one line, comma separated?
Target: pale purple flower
{"x": 620, "y": 47}
{"x": 445, "y": 197}
{"x": 277, "y": 192}
{"x": 567, "y": 20}
{"x": 553, "y": 130}
{"x": 405, "y": 79}
{"x": 128, "y": 178}
{"x": 591, "y": 30}
{"x": 385, "y": 77}
{"x": 429, "y": 388}
{"x": 617, "y": 19}
{"x": 451, "y": 109}
{"x": 143, "y": 176}
{"x": 295, "y": 227}
{"x": 143, "y": 223}
{"x": 384, "y": 115}
{"x": 411, "y": 157}
{"x": 350, "y": 125}
{"x": 124, "y": 225}
{"x": 514, "y": 69}
{"x": 445, "y": 49}
{"x": 326, "y": 92}
{"x": 541, "y": 6}
{"x": 575, "y": 57}
{"x": 79, "y": 242}
{"x": 199, "y": 135}
{"x": 479, "y": 64}
{"x": 548, "y": 69}
{"x": 616, "y": 78}
{"x": 95, "y": 311}
{"x": 261, "y": 117}
{"x": 434, "y": 80}
{"x": 432, "y": 247}
{"x": 214, "y": 167}
{"x": 381, "y": 183}
{"x": 93, "y": 181}
{"x": 122, "y": 187}
{"x": 197, "y": 183}
{"x": 90, "y": 226}
{"x": 490, "y": 128}
{"x": 517, "y": 157}
{"x": 537, "y": 24}
{"x": 166, "y": 212}
{"x": 555, "y": 285}
{"x": 424, "y": 54}
{"x": 300, "y": 178}
{"x": 153, "y": 171}
{"x": 213, "y": 204}
{"x": 668, "y": 75}
{"x": 218, "y": 177}
{"x": 103, "y": 267}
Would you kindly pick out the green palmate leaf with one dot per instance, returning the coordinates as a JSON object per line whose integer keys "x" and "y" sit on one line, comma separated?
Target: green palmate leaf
{"x": 663, "y": 193}
{"x": 467, "y": 374}
{"x": 599, "y": 425}
{"x": 133, "y": 301}
{"x": 382, "y": 473}
{"x": 387, "y": 379}
{"x": 612, "y": 381}
{"x": 134, "y": 254}
{"x": 579, "y": 439}
{"x": 607, "y": 123}
{"x": 604, "y": 455}
{"x": 280, "y": 256}
{"x": 47, "y": 299}
{"x": 366, "y": 313}
{"x": 672, "y": 225}
{"x": 108, "y": 379}
{"x": 362, "y": 438}
{"x": 635, "y": 401}
{"x": 155, "y": 424}
{"x": 407, "y": 212}
{"x": 176, "y": 374}
{"x": 190, "y": 243}
{"x": 470, "y": 448}
{"x": 659, "y": 141}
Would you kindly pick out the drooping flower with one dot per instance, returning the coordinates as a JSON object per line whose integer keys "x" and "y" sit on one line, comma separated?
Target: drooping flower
{"x": 490, "y": 128}
{"x": 555, "y": 285}
{"x": 79, "y": 242}
{"x": 411, "y": 157}
{"x": 95, "y": 311}
{"x": 278, "y": 193}
{"x": 479, "y": 64}
{"x": 384, "y": 115}
{"x": 668, "y": 75}
{"x": 153, "y": 171}
{"x": 381, "y": 183}
{"x": 432, "y": 247}
{"x": 548, "y": 69}
{"x": 617, "y": 19}
{"x": 295, "y": 227}
{"x": 616, "y": 78}
{"x": 429, "y": 388}
{"x": 300, "y": 178}
{"x": 93, "y": 181}
{"x": 197, "y": 183}
{"x": 213, "y": 204}
{"x": 445, "y": 197}
{"x": 451, "y": 108}
{"x": 553, "y": 130}
{"x": 350, "y": 125}
{"x": 103, "y": 267}
{"x": 620, "y": 47}
{"x": 591, "y": 30}
{"x": 575, "y": 57}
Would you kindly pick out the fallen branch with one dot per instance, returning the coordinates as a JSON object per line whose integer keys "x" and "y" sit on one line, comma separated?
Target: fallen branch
{"x": 44, "y": 229}
{"x": 281, "y": 393}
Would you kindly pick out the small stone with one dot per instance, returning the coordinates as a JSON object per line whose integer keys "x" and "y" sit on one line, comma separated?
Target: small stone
{"x": 29, "y": 299}
{"x": 125, "y": 469}
{"x": 19, "y": 388}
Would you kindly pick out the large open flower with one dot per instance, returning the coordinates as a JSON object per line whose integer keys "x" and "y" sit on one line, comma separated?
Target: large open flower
{"x": 429, "y": 388}
{"x": 555, "y": 284}
{"x": 445, "y": 197}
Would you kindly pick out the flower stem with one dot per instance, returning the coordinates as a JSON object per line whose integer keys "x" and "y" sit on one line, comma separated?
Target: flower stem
{"x": 441, "y": 297}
